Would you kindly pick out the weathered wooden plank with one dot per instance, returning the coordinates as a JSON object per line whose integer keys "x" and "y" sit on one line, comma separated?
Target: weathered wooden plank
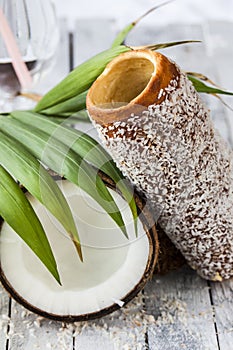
{"x": 222, "y": 296}
{"x": 220, "y": 50}
{"x": 29, "y": 331}
{"x": 181, "y": 306}
{"x": 145, "y": 35}
{"x": 124, "y": 329}
{"x": 91, "y": 37}
{"x": 4, "y": 319}
{"x": 220, "y": 118}
{"x": 219, "y": 35}
{"x": 178, "y": 311}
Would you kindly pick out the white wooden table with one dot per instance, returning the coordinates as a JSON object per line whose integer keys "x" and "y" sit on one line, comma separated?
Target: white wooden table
{"x": 174, "y": 312}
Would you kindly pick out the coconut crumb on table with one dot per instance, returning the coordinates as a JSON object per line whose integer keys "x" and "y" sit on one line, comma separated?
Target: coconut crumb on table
{"x": 171, "y": 328}
{"x": 123, "y": 329}
{"x": 172, "y": 310}
{"x": 4, "y": 322}
{"x": 127, "y": 327}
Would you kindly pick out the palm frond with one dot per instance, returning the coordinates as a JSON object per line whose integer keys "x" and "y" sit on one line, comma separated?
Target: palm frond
{"x": 17, "y": 211}
{"x": 64, "y": 161}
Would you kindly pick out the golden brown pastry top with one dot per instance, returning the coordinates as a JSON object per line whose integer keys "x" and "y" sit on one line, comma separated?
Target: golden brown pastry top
{"x": 130, "y": 82}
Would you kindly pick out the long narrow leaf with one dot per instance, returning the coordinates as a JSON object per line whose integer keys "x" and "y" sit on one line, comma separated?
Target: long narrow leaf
{"x": 65, "y": 162}
{"x": 121, "y": 36}
{"x": 69, "y": 107}
{"x": 24, "y": 167}
{"x": 202, "y": 87}
{"x": 17, "y": 211}
{"x": 66, "y": 119}
{"x": 223, "y": 102}
{"x": 155, "y": 47}
{"x": 202, "y": 77}
{"x": 86, "y": 147}
{"x": 80, "y": 79}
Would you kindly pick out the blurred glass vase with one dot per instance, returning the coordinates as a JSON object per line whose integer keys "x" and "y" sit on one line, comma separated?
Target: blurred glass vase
{"x": 35, "y": 31}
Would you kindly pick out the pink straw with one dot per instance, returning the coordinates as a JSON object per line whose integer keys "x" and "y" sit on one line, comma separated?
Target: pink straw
{"x": 19, "y": 65}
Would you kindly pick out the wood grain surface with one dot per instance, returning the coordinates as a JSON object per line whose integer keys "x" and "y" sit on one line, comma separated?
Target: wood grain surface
{"x": 176, "y": 311}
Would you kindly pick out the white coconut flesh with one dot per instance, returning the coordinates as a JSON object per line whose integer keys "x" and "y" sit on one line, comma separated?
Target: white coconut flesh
{"x": 112, "y": 267}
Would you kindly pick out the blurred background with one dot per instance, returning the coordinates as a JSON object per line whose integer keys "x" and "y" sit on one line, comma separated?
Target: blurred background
{"x": 210, "y": 21}
{"x": 125, "y": 10}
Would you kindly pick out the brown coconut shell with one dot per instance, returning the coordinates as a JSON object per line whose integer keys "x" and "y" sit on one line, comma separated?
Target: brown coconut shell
{"x": 147, "y": 220}
{"x": 169, "y": 257}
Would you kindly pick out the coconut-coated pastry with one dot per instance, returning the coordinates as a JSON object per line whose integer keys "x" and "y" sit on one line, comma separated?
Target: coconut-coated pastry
{"x": 160, "y": 134}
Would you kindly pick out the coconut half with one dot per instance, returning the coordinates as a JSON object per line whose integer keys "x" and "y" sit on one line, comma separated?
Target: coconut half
{"x": 114, "y": 270}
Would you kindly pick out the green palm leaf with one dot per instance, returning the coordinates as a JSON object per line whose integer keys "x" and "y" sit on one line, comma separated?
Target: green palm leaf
{"x": 17, "y": 211}
{"x": 68, "y": 107}
{"x": 160, "y": 46}
{"x": 61, "y": 159}
{"x": 80, "y": 79}
{"x": 202, "y": 87}
{"x": 121, "y": 36}
{"x": 24, "y": 167}
{"x": 84, "y": 145}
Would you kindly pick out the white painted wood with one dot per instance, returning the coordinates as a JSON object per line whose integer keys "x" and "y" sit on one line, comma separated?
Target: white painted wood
{"x": 28, "y": 331}
{"x": 145, "y": 35}
{"x": 220, "y": 52}
{"x": 94, "y": 339}
{"x": 4, "y": 320}
{"x": 220, "y": 118}
{"x": 222, "y": 294}
{"x": 182, "y": 309}
{"x": 124, "y": 329}
{"x": 176, "y": 310}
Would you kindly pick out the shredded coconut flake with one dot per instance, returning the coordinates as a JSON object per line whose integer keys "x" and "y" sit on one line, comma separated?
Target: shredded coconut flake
{"x": 173, "y": 154}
